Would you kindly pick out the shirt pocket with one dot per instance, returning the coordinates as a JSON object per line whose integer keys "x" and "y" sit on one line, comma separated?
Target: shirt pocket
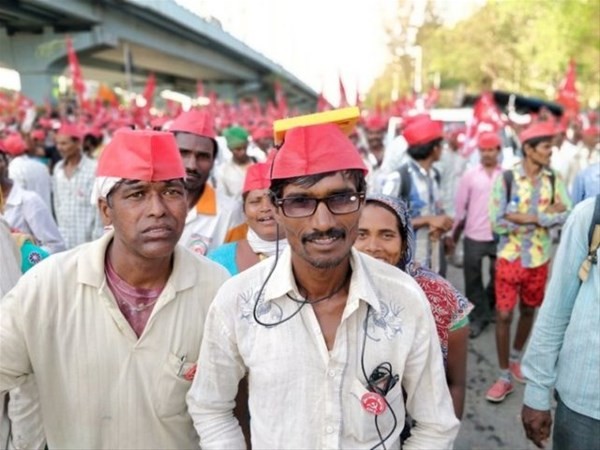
{"x": 173, "y": 383}
{"x": 362, "y": 423}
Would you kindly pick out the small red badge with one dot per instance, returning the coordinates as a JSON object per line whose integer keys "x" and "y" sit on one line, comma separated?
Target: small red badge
{"x": 373, "y": 403}
{"x": 189, "y": 374}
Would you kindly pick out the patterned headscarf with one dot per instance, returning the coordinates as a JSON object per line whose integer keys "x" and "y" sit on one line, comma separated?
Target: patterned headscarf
{"x": 398, "y": 207}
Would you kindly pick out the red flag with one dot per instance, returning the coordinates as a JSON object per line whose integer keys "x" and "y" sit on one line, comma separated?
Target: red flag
{"x": 486, "y": 117}
{"x": 322, "y": 103}
{"x": 567, "y": 91}
{"x": 343, "y": 98}
{"x": 75, "y": 69}
{"x": 432, "y": 98}
{"x": 280, "y": 100}
{"x": 149, "y": 90}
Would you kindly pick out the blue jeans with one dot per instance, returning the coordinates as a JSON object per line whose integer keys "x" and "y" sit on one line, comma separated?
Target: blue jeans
{"x": 574, "y": 431}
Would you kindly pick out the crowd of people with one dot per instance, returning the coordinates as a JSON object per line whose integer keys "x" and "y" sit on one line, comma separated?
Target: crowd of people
{"x": 178, "y": 285}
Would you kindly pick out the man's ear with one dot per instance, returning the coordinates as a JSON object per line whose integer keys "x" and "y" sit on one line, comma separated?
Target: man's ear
{"x": 105, "y": 212}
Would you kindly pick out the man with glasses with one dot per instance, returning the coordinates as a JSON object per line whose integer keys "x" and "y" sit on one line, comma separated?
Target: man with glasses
{"x": 328, "y": 337}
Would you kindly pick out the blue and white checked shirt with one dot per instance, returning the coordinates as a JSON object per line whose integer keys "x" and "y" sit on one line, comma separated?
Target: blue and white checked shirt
{"x": 564, "y": 351}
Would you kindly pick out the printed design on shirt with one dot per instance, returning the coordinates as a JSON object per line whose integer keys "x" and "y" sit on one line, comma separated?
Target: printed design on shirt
{"x": 267, "y": 312}
{"x": 199, "y": 244}
{"x": 34, "y": 257}
{"x": 388, "y": 319}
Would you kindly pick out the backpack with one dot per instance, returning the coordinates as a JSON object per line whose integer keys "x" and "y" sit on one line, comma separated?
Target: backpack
{"x": 593, "y": 242}
{"x": 508, "y": 179}
{"x": 406, "y": 182}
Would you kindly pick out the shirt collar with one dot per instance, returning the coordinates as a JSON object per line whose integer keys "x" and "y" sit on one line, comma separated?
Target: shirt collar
{"x": 520, "y": 169}
{"x": 282, "y": 281}
{"x": 90, "y": 265}
{"x": 207, "y": 203}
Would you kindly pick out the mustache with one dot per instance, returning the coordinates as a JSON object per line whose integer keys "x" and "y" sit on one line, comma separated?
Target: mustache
{"x": 332, "y": 233}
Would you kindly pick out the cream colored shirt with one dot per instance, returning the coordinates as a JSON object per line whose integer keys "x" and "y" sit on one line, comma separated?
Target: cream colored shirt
{"x": 300, "y": 395}
{"x": 99, "y": 385}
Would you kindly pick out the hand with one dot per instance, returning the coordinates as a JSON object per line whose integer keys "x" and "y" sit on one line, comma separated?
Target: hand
{"x": 449, "y": 245}
{"x": 537, "y": 425}
{"x": 556, "y": 208}
{"x": 443, "y": 223}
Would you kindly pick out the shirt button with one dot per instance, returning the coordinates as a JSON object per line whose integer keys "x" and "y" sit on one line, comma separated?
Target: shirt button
{"x": 329, "y": 429}
{"x": 331, "y": 373}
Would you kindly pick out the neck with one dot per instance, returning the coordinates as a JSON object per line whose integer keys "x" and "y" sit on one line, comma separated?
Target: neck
{"x": 425, "y": 163}
{"x": 531, "y": 168}
{"x": 194, "y": 196}
{"x": 73, "y": 160}
{"x": 137, "y": 271}
{"x": 314, "y": 283}
{"x": 489, "y": 168}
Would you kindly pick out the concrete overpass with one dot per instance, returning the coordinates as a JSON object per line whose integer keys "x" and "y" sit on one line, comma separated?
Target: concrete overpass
{"x": 163, "y": 37}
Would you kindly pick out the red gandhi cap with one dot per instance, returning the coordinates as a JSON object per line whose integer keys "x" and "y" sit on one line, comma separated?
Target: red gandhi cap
{"x": 422, "y": 131}
{"x": 375, "y": 123}
{"x": 144, "y": 155}
{"x": 70, "y": 129}
{"x": 38, "y": 134}
{"x": 196, "y": 122}
{"x": 592, "y": 131}
{"x": 257, "y": 177}
{"x": 537, "y": 130}
{"x": 315, "y": 149}
{"x": 14, "y": 144}
{"x": 488, "y": 140}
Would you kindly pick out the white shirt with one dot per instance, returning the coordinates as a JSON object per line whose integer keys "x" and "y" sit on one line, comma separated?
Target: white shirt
{"x": 231, "y": 178}
{"x": 100, "y": 385}
{"x": 78, "y": 220}
{"x": 27, "y": 212}
{"x": 301, "y": 396}
{"x": 208, "y": 222}
{"x": 564, "y": 161}
{"x": 32, "y": 175}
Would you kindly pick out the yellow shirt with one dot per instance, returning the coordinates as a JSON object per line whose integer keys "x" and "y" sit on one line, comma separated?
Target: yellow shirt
{"x": 99, "y": 385}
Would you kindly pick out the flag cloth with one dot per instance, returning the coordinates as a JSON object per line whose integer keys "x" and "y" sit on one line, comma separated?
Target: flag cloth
{"x": 149, "y": 90}
{"x": 567, "y": 91}
{"x": 75, "y": 69}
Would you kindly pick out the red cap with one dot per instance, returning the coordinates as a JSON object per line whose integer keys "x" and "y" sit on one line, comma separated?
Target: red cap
{"x": 422, "y": 131}
{"x": 375, "y": 123}
{"x": 70, "y": 129}
{"x": 537, "y": 130}
{"x": 315, "y": 149}
{"x": 158, "y": 122}
{"x": 93, "y": 131}
{"x": 141, "y": 155}
{"x": 40, "y": 135}
{"x": 14, "y": 144}
{"x": 592, "y": 131}
{"x": 195, "y": 121}
{"x": 262, "y": 133}
{"x": 257, "y": 177}
{"x": 488, "y": 139}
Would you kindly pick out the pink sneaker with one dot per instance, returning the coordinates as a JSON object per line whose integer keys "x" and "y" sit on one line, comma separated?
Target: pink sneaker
{"x": 499, "y": 390}
{"x": 515, "y": 371}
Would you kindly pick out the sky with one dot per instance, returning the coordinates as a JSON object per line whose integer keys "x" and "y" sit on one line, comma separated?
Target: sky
{"x": 320, "y": 40}
{"x": 316, "y": 40}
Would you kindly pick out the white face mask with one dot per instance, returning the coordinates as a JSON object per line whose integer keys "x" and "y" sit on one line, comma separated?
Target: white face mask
{"x": 268, "y": 248}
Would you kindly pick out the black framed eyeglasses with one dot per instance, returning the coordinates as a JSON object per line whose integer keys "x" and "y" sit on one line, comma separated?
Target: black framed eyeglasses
{"x": 298, "y": 207}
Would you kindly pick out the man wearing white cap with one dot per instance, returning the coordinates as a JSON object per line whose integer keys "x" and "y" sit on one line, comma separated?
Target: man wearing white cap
{"x": 211, "y": 213}
{"x": 111, "y": 330}
{"x": 328, "y": 337}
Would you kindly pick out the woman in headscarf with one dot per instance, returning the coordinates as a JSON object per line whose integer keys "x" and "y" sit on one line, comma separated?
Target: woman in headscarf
{"x": 385, "y": 232}
{"x": 262, "y": 239}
